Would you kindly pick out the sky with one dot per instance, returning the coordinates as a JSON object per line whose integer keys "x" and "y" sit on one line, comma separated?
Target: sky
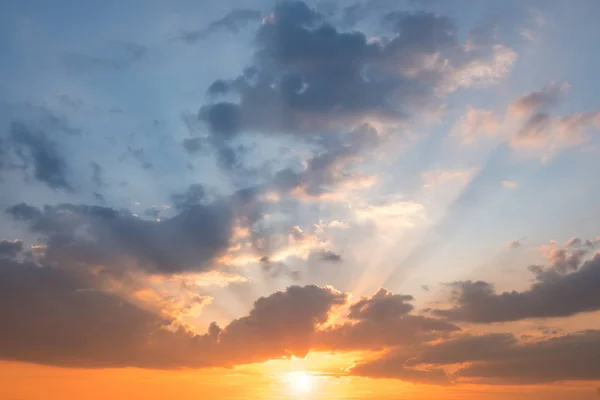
{"x": 299, "y": 200}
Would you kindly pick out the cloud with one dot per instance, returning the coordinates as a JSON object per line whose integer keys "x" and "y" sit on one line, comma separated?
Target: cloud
{"x": 275, "y": 269}
{"x": 191, "y": 240}
{"x": 509, "y": 184}
{"x": 59, "y": 317}
{"x": 97, "y": 178}
{"x": 231, "y": 22}
{"x": 476, "y": 123}
{"x": 392, "y": 214}
{"x": 562, "y": 289}
{"x": 329, "y": 256}
{"x": 381, "y": 306}
{"x": 435, "y": 178}
{"x": 10, "y": 248}
{"x": 283, "y": 323}
{"x": 569, "y": 357}
{"x": 496, "y": 358}
{"x": 395, "y": 368}
{"x": 380, "y": 321}
{"x": 33, "y": 147}
{"x": 311, "y": 77}
{"x": 515, "y": 244}
{"x": 528, "y": 124}
{"x": 537, "y": 100}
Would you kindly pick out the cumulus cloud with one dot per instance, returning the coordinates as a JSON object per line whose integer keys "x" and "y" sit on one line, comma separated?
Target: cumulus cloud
{"x": 62, "y": 317}
{"x": 311, "y": 77}
{"x": 561, "y": 289}
{"x": 382, "y": 320}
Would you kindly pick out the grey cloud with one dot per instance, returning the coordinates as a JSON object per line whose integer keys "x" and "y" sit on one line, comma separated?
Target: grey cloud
{"x": 282, "y": 323}
{"x": 383, "y": 320}
{"x": 140, "y": 156}
{"x": 276, "y": 269}
{"x": 569, "y": 357}
{"x": 310, "y": 77}
{"x": 60, "y": 317}
{"x": 99, "y": 235}
{"x": 330, "y": 256}
{"x": 466, "y": 348}
{"x": 10, "y": 248}
{"x": 497, "y": 358}
{"x": 231, "y": 22}
{"x": 395, "y": 368}
{"x": 555, "y": 294}
{"x": 33, "y": 146}
{"x": 382, "y": 305}
{"x": 193, "y": 196}
{"x": 97, "y": 175}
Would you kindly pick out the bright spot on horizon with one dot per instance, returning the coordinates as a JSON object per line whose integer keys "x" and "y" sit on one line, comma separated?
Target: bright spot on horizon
{"x": 300, "y": 382}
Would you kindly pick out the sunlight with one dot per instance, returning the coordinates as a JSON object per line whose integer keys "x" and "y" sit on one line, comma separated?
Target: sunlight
{"x": 300, "y": 383}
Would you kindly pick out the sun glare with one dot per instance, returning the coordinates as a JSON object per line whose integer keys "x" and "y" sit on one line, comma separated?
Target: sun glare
{"x": 300, "y": 383}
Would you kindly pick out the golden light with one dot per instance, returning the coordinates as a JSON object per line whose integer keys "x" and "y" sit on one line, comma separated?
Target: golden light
{"x": 300, "y": 383}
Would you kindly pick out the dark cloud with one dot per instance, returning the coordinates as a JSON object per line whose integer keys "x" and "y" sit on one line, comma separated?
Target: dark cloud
{"x": 284, "y": 323}
{"x": 103, "y": 236}
{"x": 554, "y": 294}
{"x": 60, "y": 317}
{"x": 193, "y": 196}
{"x": 309, "y": 77}
{"x": 97, "y": 175}
{"x": 564, "y": 358}
{"x": 493, "y": 358}
{"x": 382, "y": 306}
{"x": 275, "y": 269}
{"x": 395, "y": 368}
{"x": 231, "y": 22}
{"x": 329, "y": 168}
{"x": 330, "y": 256}
{"x": 10, "y": 248}
{"x": 383, "y": 320}
{"x": 33, "y": 147}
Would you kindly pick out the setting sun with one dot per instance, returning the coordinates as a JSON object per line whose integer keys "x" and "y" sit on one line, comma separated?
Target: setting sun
{"x": 300, "y": 383}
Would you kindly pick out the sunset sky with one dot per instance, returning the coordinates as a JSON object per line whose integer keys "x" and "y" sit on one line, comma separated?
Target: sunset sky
{"x": 374, "y": 200}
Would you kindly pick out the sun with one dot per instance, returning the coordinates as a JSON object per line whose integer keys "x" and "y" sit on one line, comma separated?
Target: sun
{"x": 300, "y": 382}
